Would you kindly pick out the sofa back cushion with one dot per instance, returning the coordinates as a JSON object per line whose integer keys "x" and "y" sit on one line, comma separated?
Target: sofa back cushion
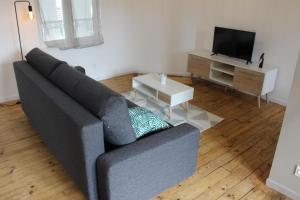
{"x": 106, "y": 104}
{"x": 42, "y": 62}
{"x": 66, "y": 78}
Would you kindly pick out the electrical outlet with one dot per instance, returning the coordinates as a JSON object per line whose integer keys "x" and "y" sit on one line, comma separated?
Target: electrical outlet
{"x": 297, "y": 171}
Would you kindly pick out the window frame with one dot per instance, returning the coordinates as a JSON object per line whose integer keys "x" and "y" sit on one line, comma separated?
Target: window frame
{"x": 71, "y": 40}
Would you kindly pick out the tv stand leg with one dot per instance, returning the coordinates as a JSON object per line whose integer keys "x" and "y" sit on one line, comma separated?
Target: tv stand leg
{"x": 170, "y": 113}
{"x": 267, "y": 98}
{"x": 258, "y": 101}
{"x": 226, "y": 89}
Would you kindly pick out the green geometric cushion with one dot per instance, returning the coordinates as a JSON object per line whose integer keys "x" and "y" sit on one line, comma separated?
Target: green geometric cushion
{"x": 144, "y": 121}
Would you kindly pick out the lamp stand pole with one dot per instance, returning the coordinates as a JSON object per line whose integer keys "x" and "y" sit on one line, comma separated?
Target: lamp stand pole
{"x": 16, "y": 13}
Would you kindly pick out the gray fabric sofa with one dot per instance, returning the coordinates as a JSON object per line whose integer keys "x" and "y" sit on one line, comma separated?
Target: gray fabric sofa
{"x": 137, "y": 171}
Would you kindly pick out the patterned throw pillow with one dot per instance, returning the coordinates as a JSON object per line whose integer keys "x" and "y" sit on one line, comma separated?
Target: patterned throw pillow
{"x": 144, "y": 121}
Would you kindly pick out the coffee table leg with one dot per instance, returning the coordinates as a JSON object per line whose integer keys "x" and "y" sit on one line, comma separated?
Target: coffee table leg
{"x": 170, "y": 112}
{"x": 187, "y": 106}
{"x": 134, "y": 94}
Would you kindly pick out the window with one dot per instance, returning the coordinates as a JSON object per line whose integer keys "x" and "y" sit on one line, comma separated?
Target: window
{"x": 70, "y": 23}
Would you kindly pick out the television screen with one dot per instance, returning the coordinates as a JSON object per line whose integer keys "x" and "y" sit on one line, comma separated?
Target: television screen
{"x": 234, "y": 43}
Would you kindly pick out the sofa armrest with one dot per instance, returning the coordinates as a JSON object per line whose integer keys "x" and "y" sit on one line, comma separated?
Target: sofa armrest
{"x": 147, "y": 167}
{"x": 72, "y": 133}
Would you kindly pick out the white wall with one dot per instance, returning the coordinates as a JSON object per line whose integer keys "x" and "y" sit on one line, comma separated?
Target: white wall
{"x": 116, "y": 56}
{"x": 274, "y": 21}
{"x": 155, "y": 35}
{"x": 287, "y": 153}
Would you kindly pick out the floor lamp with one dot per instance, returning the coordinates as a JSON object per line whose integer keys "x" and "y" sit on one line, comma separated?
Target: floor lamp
{"x": 30, "y": 15}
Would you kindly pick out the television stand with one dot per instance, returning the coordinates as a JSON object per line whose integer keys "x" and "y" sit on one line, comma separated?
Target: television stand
{"x": 233, "y": 73}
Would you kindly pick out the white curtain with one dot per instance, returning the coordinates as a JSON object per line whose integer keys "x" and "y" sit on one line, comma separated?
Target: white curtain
{"x": 69, "y": 24}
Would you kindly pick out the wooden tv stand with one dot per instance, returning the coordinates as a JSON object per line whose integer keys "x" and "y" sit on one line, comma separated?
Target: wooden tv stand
{"x": 233, "y": 73}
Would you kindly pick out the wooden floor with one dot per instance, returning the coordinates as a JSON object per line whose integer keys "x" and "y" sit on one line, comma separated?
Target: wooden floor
{"x": 234, "y": 157}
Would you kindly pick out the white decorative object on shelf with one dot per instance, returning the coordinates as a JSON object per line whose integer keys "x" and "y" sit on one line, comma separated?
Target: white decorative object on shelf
{"x": 297, "y": 171}
{"x": 163, "y": 78}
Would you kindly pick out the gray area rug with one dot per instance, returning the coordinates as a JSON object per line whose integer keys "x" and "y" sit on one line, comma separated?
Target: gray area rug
{"x": 195, "y": 116}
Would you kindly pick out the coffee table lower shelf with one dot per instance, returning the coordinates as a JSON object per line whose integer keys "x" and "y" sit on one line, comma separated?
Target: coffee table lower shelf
{"x": 155, "y": 95}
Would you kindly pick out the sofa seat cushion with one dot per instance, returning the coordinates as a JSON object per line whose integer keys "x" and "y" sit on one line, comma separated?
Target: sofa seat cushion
{"x": 144, "y": 121}
{"x": 103, "y": 102}
{"x": 42, "y": 62}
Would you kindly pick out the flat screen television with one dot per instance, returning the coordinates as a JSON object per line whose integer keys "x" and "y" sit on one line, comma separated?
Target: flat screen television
{"x": 234, "y": 43}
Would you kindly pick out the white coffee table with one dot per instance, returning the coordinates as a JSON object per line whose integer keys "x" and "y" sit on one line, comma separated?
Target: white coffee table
{"x": 173, "y": 93}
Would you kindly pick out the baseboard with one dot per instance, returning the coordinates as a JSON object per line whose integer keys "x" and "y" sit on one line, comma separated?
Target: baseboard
{"x": 112, "y": 76}
{"x": 8, "y": 99}
{"x": 282, "y": 189}
{"x": 186, "y": 74}
{"x": 278, "y": 101}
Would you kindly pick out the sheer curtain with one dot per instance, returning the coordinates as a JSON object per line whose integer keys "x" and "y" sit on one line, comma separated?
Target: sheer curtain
{"x": 69, "y": 24}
